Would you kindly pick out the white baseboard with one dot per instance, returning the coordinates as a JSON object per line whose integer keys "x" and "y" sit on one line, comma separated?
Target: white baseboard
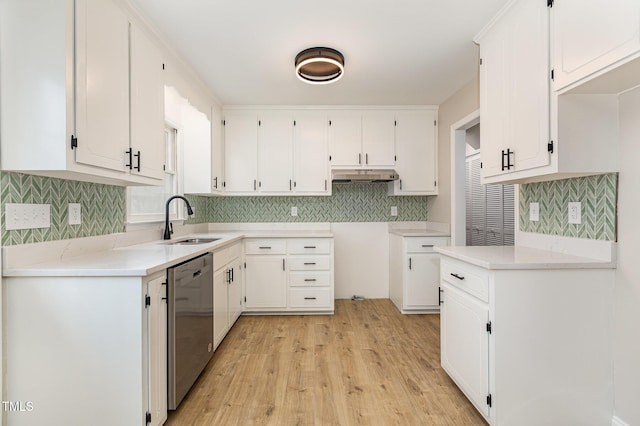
{"x": 617, "y": 421}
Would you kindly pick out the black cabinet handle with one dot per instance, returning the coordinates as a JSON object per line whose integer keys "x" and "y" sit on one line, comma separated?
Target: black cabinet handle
{"x": 400, "y": 184}
{"x": 309, "y": 298}
{"x": 264, "y": 247}
{"x": 309, "y": 280}
{"x": 460, "y": 277}
{"x": 254, "y": 184}
{"x": 228, "y": 276}
{"x": 138, "y": 156}
{"x": 440, "y": 301}
{"x": 366, "y": 156}
{"x": 215, "y": 182}
{"x": 409, "y": 263}
{"x": 325, "y": 184}
{"x": 283, "y": 264}
{"x": 309, "y": 247}
{"x": 427, "y": 245}
{"x": 507, "y": 154}
{"x": 309, "y": 263}
{"x": 359, "y": 158}
{"x": 129, "y": 152}
{"x": 232, "y": 275}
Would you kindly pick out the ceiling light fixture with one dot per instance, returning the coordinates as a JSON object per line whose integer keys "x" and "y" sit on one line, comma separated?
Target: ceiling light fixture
{"x": 319, "y": 65}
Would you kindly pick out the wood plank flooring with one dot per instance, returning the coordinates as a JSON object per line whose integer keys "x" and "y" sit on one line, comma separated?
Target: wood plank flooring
{"x": 365, "y": 365}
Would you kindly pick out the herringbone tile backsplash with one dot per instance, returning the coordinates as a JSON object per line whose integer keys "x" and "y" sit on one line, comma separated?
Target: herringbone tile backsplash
{"x": 598, "y": 195}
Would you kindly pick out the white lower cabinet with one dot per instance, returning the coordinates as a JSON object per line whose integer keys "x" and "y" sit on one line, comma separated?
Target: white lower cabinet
{"x": 529, "y": 346}
{"x": 284, "y": 275}
{"x": 414, "y": 273}
{"x": 227, "y": 290}
{"x": 76, "y": 346}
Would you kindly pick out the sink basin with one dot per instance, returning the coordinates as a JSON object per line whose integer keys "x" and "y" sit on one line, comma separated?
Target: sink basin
{"x": 192, "y": 241}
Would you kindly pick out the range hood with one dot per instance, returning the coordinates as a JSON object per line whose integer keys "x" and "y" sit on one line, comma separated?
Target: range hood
{"x": 363, "y": 175}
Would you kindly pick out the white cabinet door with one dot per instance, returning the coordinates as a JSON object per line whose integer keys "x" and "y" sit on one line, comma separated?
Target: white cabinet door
{"x": 423, "y": 275}
{"x": 378, "y": 139}
{"x": 416, "y": 161}
{"x": 102, "y": 84}
{"x": 310, "y": 158}
{"x": 235, "y": 292}
{"x": 589, "y": 35}
{"x": 345, "y": 138}
{"x": 275, "y": 151}
{"x": 241, "y": 152}
{"x": 217, "y": 150}
{"x": 147, "y": 106}
{"x": 157, "y": 347}
{"x": 514, "y": 90}
{"x": 265, "y": 282}
{"x": 465, "y": 344}
{"x": 220, "y": 305}
{"x": 196, "y": 152}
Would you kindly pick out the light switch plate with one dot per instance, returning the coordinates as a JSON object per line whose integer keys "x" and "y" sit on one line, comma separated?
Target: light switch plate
{"x": 75, "y": 214}
{"x": 294, "y": 211}
{"x": 394, "y": 210}
{"x": 534, "y": 212}
{"x": 575, "y": 212}
{"x": 27, "y": 216}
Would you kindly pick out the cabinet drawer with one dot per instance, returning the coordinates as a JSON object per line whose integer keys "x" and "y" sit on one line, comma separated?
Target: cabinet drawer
{"x": 310, "y": 279}
{"x": 304, "y": 297}
{"x": 267, "y": 246}
{"x": 469, "y": 278}
{"x": 223, "y": 256}
{"x": 424, "y": 244}
{"x": 310, "y": 246}
{"x": 309, "y": 263}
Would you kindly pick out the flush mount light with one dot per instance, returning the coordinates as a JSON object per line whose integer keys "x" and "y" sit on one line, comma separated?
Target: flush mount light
{"x": 319, "y": 65}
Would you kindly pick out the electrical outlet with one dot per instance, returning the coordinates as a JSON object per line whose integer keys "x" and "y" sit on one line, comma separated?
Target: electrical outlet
{"x": 534, "y": 212}
{"x": 294, "y": 211}
{"x": 394, "y": 211}
{"x": 575, "y": 212}
{"x": 75, "y": 214}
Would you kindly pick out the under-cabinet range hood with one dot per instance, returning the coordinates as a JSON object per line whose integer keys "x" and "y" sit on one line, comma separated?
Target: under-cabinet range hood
{"x": 362, "y": 175}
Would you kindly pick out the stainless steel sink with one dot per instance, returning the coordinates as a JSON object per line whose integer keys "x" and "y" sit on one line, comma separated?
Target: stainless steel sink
{"x": 192, "y": 241}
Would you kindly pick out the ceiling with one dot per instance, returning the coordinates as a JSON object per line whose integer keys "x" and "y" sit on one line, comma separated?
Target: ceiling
{"x": 397, "y": 52}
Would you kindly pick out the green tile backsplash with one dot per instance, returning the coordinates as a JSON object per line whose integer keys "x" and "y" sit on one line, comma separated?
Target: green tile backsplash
{"x": 103, "y": 207}
{"x": 352, "y": 202}
{"x": 598, "y": 195}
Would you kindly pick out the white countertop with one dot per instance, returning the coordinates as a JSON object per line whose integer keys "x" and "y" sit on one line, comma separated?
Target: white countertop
{"x": 147, "y": 258}
{"x": 520, "y": 257}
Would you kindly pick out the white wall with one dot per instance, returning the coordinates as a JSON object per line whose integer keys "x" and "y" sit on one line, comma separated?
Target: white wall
{"x": 361, "y": 259}
{"x": 627, "y": 287}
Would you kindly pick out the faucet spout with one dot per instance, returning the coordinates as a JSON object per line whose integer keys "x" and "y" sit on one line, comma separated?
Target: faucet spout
{"x": 167, "y": 227}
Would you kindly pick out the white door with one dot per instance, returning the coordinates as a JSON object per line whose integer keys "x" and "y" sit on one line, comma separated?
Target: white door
{"x": 157, "y": 346}
{"x": 589, "y": 35}
{"x": 310, "y": 158}
{"x": 378, "y": 139}
{"x": 217, "y": 150}
{"x": 147, "y": 106}
{"x": 235, "y": 292}
{"x": 423, "y": 276}
{"x": 464, "y": 344}
{"x": 102, "y": 84}
{"x": 275, "y": 145}
{"x": 241, "y": 152}
{"x": 345, "y": 138}
{"x": 416, "y": 161}
{"x": 265, "y": 282}
{"x": 220, "y": 305}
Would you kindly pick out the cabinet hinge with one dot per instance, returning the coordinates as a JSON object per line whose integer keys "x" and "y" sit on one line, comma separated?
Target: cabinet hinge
{"x": 224, "y": 122}
{"x": 245, "y": 265}
{"x": 245, "y": 299}
{"x": 489, "y": 400}
{"x": 480, "y": 61}
{"x": 489, "y": 327}
{"x": 481, "y": 164}
{"x": 552, "y": 75}
{"x": 395, "y": 158}
{"x": 147, "y": 301}
{"x": 435, "y": 183}
{"x": 395, "y": 122}
{"x": 435, "y": 123}
{"x": 329, "y": 158}
{"x": 148, "y": 417}
{"x": 162, "y": 66}
{"x": 74, "y": 142}
{"x": 329, "y": 122}
{"x": 550, "y": 3}
{"x": 259, "y": 122}
{"x": 550, "y": 147}
{"x": 294, "y": 122}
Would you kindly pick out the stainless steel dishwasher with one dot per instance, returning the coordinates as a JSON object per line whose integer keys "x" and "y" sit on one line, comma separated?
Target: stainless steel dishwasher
{"x": 190, "y": 324}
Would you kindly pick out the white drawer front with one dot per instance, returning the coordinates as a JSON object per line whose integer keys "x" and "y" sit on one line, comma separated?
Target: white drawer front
{"x": 424, "y": 244}
{"x": 315, "y": 279}
{"x": 309, "y": 297}
{"x": 309, "y": 263}
{"x": 223, "y": 256}
{"x": 466, "y": 277}
{"x": 265, "y": 246}
{"x": 310, "y": 246}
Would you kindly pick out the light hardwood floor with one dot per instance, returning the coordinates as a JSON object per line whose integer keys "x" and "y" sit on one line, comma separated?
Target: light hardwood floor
{"x": 365, "y": 365}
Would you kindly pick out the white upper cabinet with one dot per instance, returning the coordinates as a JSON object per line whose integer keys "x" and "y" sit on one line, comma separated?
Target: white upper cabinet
{"x": 378, "y": 139}
{"x": 310, "y": 156}
{"x": 79, "y": 97}
{"x": 217, "y": 151}
{"x": 514, "y": 90}
{"x": 362, "y": 139}
{"x": 241, "y": 152}
{"x": 416, "y": 153}
{"x": 345, "y": 138}
{"x": 147, "y": 105}
{"x": 590, "y": 36}
{"x": 275, "y": 152}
